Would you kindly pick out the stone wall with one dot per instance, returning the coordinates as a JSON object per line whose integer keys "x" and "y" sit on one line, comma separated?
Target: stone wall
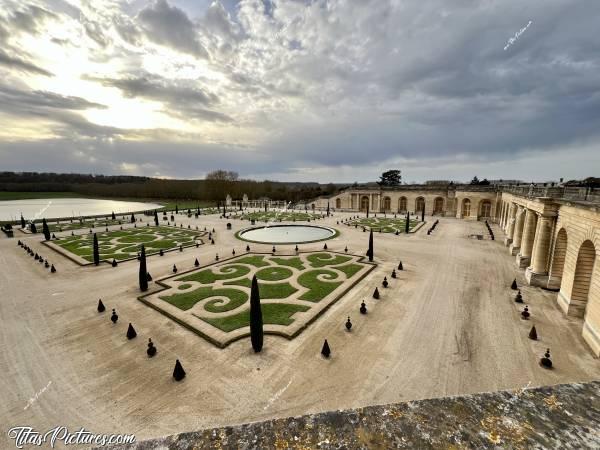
{"x": 558, "y": 244}
{"x": 438, "y": 200}
{"x": 561, "y": 416}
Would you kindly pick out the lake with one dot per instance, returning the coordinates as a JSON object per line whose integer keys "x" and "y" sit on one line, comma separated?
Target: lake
{"x": 67, "y": 207}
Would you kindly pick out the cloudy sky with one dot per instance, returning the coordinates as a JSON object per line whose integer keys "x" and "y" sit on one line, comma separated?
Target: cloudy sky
{"x": 305, "y": 90}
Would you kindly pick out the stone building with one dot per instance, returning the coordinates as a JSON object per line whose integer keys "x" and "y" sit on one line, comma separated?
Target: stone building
{"x": 454, "y": 200}
{"x": 552, "y": 231}
{"x": 554, "y": 235}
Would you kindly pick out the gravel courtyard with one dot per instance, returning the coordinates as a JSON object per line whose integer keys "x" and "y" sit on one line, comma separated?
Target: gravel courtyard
{"x": 446, "y": 325}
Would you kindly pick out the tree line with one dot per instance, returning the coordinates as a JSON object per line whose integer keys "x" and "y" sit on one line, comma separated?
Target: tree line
{"x": 213, "y": 188}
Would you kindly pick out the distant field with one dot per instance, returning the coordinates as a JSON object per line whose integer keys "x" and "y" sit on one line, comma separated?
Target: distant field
{"x": 31, "y": 195}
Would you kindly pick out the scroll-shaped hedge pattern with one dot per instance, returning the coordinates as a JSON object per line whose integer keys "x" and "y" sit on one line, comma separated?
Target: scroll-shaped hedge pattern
{"x": 290, "y": 288}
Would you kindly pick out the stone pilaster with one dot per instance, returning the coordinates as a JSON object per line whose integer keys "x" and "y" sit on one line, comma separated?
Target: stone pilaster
{"x": 537, "y": 273}
{"x": 524, "y": 256}
{"x": 511, "y": 224}
{"x": 518, "y": 231}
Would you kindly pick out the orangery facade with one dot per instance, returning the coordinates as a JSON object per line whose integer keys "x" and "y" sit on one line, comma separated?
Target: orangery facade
{"x": 552, "y": 232}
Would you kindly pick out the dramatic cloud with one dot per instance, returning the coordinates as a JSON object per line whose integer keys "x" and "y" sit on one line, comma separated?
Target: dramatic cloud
{"x": 309, "y": 90}
{"x": 170, "y": 26}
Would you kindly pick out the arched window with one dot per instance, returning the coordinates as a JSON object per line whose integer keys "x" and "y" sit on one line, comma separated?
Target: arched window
{"x": 364, "y": 203}
{"x": 485, "y": 208}
{"x": 387, "y": 203}
{"x": 419, "y": 204}
{"x": 438, "y": 205}
{"x": 402, "y": 204}
{"x": 466, "y": 208}
{"x": 338, "y": 203}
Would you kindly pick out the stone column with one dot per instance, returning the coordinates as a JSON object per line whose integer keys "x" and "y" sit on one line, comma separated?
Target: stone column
{"x": 524, "y": 257}
{"x": 518, "y": 231}
{"x": 537, "y": 273}
{"x": 511, "y": 224}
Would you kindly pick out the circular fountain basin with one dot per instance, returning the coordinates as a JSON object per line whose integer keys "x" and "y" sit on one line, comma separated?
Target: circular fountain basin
{"x": 286, "y": 234}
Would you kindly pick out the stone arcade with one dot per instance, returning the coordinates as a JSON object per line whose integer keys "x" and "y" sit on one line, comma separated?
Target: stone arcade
{"x": 553, "y": 232}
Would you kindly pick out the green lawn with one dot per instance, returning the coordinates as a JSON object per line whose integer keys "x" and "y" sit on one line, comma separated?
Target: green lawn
{"x": 318, "y": 274}
{"x": 383, "y": 224}
{"x": 273, "y": 313}
{"x": 273, "y": 216}
{"x": 126, "y": 244}
{"x": 188, "y": 299}
{"x": 6, "y": 195}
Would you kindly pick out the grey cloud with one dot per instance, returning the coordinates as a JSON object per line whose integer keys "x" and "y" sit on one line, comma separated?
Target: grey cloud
{"x": 13, "y": 62}
{"x": 28, "y": 100}
{"x": 170, "y": 26}
{"x": 30, "y": 18}
{"x": 183, "y": 99}
{"x": 61, "y": 110}
{"x": 94, "y": 31}
{"x": 364, "y": 84}
{"x": 128, "y": 31}
{"x": 218, "y": 20}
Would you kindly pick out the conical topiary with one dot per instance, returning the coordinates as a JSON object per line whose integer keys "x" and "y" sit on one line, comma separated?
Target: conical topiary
{"x": 525, "y": 313}
{"x": 400, "y": 267}
{"x": 385, "y": 282}
{"x": 143, "y": 272}
{"x": 348, "y": 324}
{"x": 326, "y": 351}
{"x": 114, "y": 317}
{"x": 114, "y": 263}
{"x": 196, "y": 262}
{"x": 514, "y": 286}
{"x": 101, "y": 307}
{"x": 131, "y": 332}
{"x": 324, "y": 246}
{"x": 393, "y": 273}
{"x": 247, "y": 248}
{"x": 45, "y": 230}
{"x": 370, "y": 250}
{"x": 178, "y": 372}
{"x": 151, "y": 351}
{"x": 519, "y": 297}
{"x": 363, "y": 308}
{"x": 256, "y": 320}
{"x": 533, "y": 334}
{"x": 546, "y": 362}
{"x": 52, "y": 268}
{"x": 376, "y": 294}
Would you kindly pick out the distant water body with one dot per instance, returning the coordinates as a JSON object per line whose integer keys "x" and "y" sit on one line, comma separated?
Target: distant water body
{"x": 67, "y": 207}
